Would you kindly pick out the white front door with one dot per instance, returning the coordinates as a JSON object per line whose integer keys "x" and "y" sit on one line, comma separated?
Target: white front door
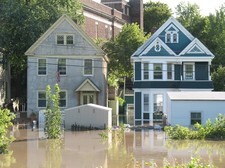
{"x": 88, "y": 97}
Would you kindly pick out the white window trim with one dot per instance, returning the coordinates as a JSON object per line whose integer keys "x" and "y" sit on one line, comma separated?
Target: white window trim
{"x": 184, "y": 72}
{"x": 66, "y": 98}
{"x": 58, "y": 65}
{"x": 171, "y": 34}
{"x": 153, "y": 71}
{"x": 171, "y": 70}
{"x": 171, "y": 37}
{"x": 38, "y": 98}
{"x": 143, "y": 103}
{"x": 84, "y": 68}
{"x": 64, "y": 37}
{"x": 143, "y": 70}
{"x": 38, "y": 67}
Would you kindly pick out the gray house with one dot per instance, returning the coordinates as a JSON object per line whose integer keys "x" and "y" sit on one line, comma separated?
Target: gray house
{"x": 64, "y": 54}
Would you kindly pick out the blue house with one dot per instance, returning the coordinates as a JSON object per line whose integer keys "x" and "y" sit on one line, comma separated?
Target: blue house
{"x": 64, "y": 54}
{"x": 171, "y": 60}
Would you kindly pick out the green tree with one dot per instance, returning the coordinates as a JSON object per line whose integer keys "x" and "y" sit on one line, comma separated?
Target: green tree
{"x": 188, "y": 15}
{"x": 218, "y": 78}
{"x": 155, "y": 14}
{"x": 23, "y": 22}
{"x": 53, "y": 115}
{"x": 120, "y": 49}
{"x": 6, "y": 118}
{"x": 216, "y": 37}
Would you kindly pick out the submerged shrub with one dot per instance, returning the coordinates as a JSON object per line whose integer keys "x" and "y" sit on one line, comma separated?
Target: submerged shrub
{"x": 6, "y": 118}
{"x": 210, "y": 130}
{"x": 194, "y": 163}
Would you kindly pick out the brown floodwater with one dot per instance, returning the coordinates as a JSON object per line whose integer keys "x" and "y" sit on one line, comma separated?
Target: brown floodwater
{"x": 87, "y": 149}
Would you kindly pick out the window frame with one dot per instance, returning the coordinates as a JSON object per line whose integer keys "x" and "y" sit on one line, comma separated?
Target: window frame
{"x": 63, "y": 99}
{"x": 62, "y": 68}
{"x": 156, "y": 103}
{"x": 169, "y": 71}
{"x": 157, "y": 72}
{"x": 145, "y": 71}
{"x": 170, "y": 39}
{"x": 65, "y": 40}
{"x": 85, "y": 68}
{"x": 39, "y": 67}
{"x": 195, "y": 118}
{"x": 41, "y": 99}
{"x": 185, "y": 72}
{"x": 146, "y": 104}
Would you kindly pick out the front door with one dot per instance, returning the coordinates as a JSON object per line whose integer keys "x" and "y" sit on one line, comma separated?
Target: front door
{"x": 88, "y": 97}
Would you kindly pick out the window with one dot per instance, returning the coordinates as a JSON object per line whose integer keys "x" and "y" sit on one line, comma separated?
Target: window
{"x": 146, "y": 71}
{"x": 96, "y": 30}
{"x": 158, "y": 102}
{"x": 157, "y": 71}
{"x": 62, "y": 66}
{"x": 146, "y": 102}
{"x": 62, "y": 99}
{"x": 169, "y": 71}
{"x": 60, "y": 39}
{"x": 88, "y": 67}
{"x": 195, "y": 118}
{"x": 64, "y": 39}
{"x": 41, "y": 99}
{"x": 42, "y": 67}
{"x": 188, "y": 71}
{"x": 168, "y": 38}
{"x": 69, "y": 39}
{"x": 172, "y": 37}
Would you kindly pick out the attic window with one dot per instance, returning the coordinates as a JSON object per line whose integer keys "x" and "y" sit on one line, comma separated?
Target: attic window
{"x": 64, "y": 39}
{"x": 172, "y": 37}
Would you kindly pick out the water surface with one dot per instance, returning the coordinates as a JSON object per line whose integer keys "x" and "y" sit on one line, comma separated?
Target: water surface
{"x": 88, "y": 150}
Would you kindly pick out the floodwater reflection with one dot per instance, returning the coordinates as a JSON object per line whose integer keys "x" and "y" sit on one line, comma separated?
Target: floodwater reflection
{"x": 87, "y": 150}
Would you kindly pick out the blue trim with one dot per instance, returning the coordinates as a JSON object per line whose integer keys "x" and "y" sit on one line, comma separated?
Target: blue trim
{"x": 137, "y": 105}
{"x": 201, "y": 71}
{"x": 137, "y": 70}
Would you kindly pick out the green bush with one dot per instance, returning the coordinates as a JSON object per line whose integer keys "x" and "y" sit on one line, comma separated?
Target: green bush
{"x": 53, "y": 115}
{"x": 194, "y": 163}
{"x": 208, "y": 131}
{"x": 6, "y": 118}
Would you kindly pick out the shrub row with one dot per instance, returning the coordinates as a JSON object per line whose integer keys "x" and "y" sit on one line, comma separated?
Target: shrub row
{"x": 215, "y": 130}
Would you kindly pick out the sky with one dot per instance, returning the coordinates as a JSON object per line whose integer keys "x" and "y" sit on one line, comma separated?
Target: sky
{"x": 206, "y": 6}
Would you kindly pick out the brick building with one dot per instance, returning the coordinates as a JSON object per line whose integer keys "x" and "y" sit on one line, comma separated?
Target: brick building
{"x": 105, "y": 19}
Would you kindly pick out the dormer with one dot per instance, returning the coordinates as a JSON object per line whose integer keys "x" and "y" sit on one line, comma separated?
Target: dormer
{"x": 171, "y": 35}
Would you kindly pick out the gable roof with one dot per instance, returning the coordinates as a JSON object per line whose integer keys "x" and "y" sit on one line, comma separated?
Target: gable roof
{"x": 63, "y": 18}
{"x": 197, "y": 45}
{"x": 87, "y": 85}
{"x": 163, "y": 45}
{"x": 171, "y": 20}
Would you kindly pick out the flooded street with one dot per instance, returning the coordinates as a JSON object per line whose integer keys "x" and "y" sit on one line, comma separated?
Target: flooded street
{"x": 88, "y": 150}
